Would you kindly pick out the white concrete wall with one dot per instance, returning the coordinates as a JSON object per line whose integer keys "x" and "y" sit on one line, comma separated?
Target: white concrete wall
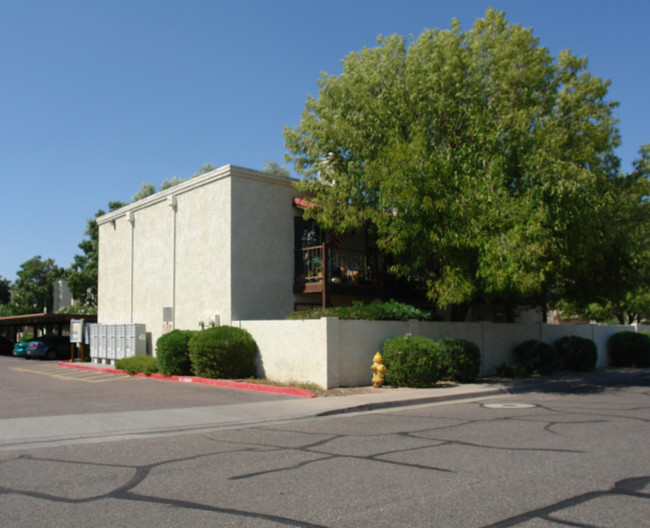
{"x": 292, "y": 350}
{"x": 338, "y": 353}
{"x": 601, "y": 335}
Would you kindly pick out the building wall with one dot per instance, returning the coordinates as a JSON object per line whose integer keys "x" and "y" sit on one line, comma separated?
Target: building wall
{"x": 214, "y": 248}
{"x": 262, "y": 246}
{"x": 152, "y": 263}
{"x": 114, "y": 271}
{"x": 62, "y": 297}
{"x": 203, "y": 254}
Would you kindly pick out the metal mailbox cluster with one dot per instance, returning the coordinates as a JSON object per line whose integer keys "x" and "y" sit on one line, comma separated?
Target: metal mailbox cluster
{"x": 108, "y": 343}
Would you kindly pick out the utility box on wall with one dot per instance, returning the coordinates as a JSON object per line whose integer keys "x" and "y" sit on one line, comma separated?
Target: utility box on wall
{"x": 109, "y": 343}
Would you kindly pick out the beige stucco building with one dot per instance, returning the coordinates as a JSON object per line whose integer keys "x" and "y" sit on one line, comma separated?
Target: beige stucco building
{"x": 230, "y": 246}
{"x": 214, "y": 249}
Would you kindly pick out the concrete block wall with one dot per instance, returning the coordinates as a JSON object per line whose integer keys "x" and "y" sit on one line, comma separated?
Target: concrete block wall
{"x": 338, "y": 353}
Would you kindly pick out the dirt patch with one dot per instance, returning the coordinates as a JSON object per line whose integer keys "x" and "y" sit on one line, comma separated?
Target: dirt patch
{"x": 347, "y": 391}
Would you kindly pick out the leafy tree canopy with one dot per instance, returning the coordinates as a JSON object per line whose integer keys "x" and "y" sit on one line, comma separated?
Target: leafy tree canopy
{"x": 167, "y": 184}
{"x": 480, "y": 159}
{"x": 146, "y": 190}
{"x": 208, "y": 167}
{"x": 273, "y": 167}
{"x": 622, "y": 274}
{"x": 5, "y": 286}
{"x": 34, "y": 286}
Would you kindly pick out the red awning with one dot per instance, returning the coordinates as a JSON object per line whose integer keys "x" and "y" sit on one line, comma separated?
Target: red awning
{"x": 302, "y": 203}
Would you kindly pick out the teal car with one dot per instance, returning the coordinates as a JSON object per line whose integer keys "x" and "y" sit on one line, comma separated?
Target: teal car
{"x": 20, "y": 349}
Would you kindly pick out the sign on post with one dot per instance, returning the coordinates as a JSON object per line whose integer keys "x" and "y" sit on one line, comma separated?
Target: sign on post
{"x": 76, "y": 330}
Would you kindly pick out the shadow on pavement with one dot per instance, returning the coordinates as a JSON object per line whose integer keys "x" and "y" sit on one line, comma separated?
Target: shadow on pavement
{"x": 582, "y": 383}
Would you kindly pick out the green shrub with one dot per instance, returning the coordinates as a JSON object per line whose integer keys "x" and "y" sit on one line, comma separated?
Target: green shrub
{"x": 629, "y": 349}
{"x": 459, "y": 360}
{"x": 173, "y": 353}
{"x": 394, "y": 311}
{"x": 411, "y": 361}
{"x": 575, "y": 353}
{"x": 507, "y": 370}
{"x": 224, "y": 352}
{"x": 375, "y": 311}
{"x": 145, "y": 364}
{"x": 535, "y": 356}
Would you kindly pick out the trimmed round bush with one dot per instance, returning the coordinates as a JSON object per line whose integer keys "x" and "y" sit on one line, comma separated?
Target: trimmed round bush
{"x": 535, "y": 356}
{"x": 629, "y": 349}
{"x": 225, "y": 352}
{"x": 459, "y": 359}
{"x": 173, "y": 353}
{"x": 411, "y": 361}
{"x": 575, "y": 353}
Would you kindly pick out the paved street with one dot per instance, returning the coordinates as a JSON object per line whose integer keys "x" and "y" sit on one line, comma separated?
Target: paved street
{"x": 570, "y": 454}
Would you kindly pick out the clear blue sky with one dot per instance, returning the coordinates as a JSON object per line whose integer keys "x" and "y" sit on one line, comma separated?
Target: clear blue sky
{"x": 98, "y": 97}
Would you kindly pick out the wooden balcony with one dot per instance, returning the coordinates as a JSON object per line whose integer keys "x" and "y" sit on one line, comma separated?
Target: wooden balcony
{"x": 322, "y": 269}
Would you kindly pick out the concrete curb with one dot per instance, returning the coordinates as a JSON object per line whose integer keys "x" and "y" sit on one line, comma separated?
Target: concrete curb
{"x": 573, "y": 383}
{"x": 375, "y": 406}
{"x": 228, "y": 384}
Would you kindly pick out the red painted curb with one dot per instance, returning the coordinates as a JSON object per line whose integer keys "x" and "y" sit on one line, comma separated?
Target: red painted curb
{"x": 229, "y": 384}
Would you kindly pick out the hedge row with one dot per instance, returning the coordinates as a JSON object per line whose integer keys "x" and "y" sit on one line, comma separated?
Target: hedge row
{"x": 374, "y": 311}
{"x": 567, "y": 353}
{"x": 625, "y": 349}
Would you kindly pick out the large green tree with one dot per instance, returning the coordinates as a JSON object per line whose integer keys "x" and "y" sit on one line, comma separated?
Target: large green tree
{"x": 479, "y": 158}
{"x": 34, "y": 286}
{"x": 619, "y": 284}
{"x": 5, "y": 294}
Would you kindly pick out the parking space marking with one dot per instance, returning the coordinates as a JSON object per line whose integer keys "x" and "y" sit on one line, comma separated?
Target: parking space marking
{"x": 54, "y": 371}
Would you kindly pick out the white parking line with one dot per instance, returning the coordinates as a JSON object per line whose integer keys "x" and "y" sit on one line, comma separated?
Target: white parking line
{"x": 54, "y": 371}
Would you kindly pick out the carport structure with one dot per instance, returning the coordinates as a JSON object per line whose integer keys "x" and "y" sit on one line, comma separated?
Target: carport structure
{"x": 40, "y": 324}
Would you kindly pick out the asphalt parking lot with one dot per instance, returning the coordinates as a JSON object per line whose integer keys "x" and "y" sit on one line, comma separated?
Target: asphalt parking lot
{"x": 31, "y": 388}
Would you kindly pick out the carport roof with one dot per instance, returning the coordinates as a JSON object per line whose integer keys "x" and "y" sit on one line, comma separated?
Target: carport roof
{"x": 44, "y": 318}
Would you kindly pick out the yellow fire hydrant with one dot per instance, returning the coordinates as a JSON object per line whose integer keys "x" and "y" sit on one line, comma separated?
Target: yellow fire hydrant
{"x": 379, "y": 369}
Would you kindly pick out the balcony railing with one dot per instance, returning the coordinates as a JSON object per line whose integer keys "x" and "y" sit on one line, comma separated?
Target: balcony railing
{"x": 318, "y": 264}
{"x": 326, "y": 270}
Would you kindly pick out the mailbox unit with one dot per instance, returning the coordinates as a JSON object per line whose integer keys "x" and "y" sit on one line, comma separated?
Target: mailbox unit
{"x": 109, "y": 343}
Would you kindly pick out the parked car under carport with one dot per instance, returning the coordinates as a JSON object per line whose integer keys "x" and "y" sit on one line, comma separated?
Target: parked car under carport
{"x": 49, "y": 347}
{"x": 20, "y": 349}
